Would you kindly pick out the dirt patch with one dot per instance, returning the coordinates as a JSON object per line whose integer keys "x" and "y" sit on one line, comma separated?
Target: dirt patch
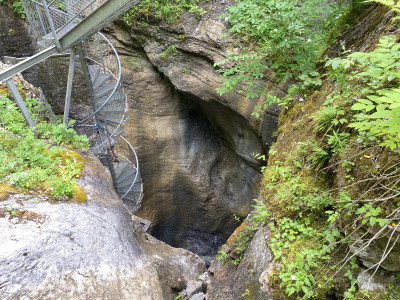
{"x": 20, "y": 216}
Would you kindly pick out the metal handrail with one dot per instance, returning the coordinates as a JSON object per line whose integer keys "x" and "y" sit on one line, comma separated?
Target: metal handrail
{"x": 136, "y": 166}
{"x": 118, "y": 78}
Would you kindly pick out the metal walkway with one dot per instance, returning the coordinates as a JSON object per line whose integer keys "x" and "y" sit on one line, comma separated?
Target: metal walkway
{"x": 70, "y": 27}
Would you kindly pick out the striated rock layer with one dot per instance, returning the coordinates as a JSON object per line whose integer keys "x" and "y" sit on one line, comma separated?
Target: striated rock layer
{"x": 195, "y": 146}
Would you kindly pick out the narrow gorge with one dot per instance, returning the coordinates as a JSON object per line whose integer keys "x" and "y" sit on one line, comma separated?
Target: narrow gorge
{"x": 237, "y": 188}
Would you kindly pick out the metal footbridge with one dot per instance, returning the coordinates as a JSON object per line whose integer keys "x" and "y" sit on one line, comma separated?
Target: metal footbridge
{"x": 70, "y": 27}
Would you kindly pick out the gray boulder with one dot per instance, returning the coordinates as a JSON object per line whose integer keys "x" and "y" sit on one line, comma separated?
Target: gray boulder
{"x": 79, "y": 251}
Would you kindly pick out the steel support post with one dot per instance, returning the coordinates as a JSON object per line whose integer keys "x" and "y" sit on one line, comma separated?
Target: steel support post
{"x": 86, "y": 74}
{"x": 69, "y": 84}
{"x": 20, "y": 102}
{"x": 50, "y": 20}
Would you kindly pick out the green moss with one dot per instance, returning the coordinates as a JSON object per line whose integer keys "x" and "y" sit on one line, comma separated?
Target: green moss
{"x": 79, "y": 194}
{"x": 389, "y": 294}
{"x": 168, "y": 10}
{"x": 4, "y": 91}
{"x": 5, "y": 190}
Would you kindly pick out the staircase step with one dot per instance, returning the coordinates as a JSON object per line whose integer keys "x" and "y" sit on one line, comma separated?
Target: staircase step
{"x": 112, "y": 120}
{"x": 128, "y": 179}
{"x": 113, "y": 112}
{"x": 60, "y": 33}
{"x": 125, "y": 169}
{"x": 108, "y": 124}
{"x": 134, "y": 193}
{"x": 94, "y": 71}
{"x": 121, "y": 167}
{"x": 134, "y": 196}
{"x": 117, "y": 97}
{"x": 125, "y": 186}
{"x": 113, "y": 102}
{"x": 104, "y": 90}
{"x": 126, "y": 176}
{"x": 42, "y": 44}
{"x": 100, "y": 80}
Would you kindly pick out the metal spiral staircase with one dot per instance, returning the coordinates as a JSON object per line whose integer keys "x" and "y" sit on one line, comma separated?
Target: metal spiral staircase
{"x": 70, "y": 27}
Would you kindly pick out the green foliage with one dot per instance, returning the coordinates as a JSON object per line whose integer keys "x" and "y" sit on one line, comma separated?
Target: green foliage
{"x": 241, "y": 242}
{"x": 260, "y": 213}
{"x": 377, "y": 108}
{"x": 371, "y": 215}
{"x": 171, "y": 50}
{"x": 349, "y": 294}
{"x": 222, "y": 257}
{"x": 338, "y": 142}
{"x": 168, "y": 10}
{"x": 293, "y": 192}
{"x": 302, "y": 250}
{"x": 328, "y": 117}
{"x": 179, "y": 296}
{"x": 318, "y": 155}
{"x": 364, "y": 95}
{"x": 19, "y": 9}
{"x": 28, "y": 162}
{"x": 246, "y": 293}
{"x": 285, "y": 36}
{"x": 17, "y": 6}
{"x": 11, "y": 210}
{"x": 391, "y": 3}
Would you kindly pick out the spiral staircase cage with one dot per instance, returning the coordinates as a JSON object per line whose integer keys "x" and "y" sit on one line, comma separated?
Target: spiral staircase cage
{"x": 108, "y": 97}
{"x": 71, "y": 26}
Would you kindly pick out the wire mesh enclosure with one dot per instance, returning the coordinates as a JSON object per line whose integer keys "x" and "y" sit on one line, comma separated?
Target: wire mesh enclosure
{"x": 52, "y": 19}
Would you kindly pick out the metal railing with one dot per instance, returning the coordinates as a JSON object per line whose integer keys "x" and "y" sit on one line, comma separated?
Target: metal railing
{"x": 44, "y": 109}
{"x": 102, "y": 56}
{"x": 51, "y": 19}
{"x": 134, "y": 192}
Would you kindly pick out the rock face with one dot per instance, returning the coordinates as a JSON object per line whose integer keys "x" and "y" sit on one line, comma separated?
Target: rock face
{"x": 176, "y": 268}
{"x": 195, "y": 146}
{"x": 82, "y": 251}
{"x": 372, "y": 253}
{"x": 249, "y": 278}
{"x": 14, "y": 35}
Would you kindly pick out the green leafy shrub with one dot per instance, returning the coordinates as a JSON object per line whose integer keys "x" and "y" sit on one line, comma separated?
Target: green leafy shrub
{"x": 285, "y": 36}
{"x": 377, "y": 106}
{"x": 17, "y": 6}
{"x": 169, "y": 10}
{"x": 328, "y": 117}
{"x": 301, "y": 249}
{"x": 31, "y": 163}
{"x": 222, "y": 257}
